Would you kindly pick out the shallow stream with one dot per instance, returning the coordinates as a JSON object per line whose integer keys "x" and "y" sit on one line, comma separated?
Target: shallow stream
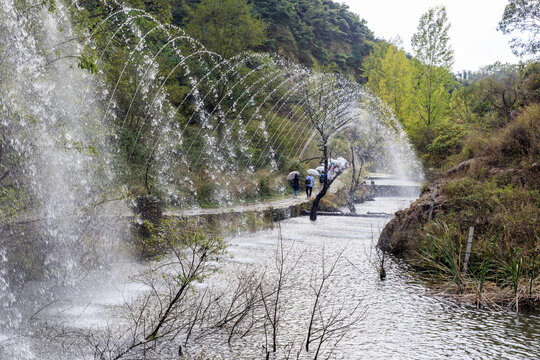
{"x": 401, "y": 320}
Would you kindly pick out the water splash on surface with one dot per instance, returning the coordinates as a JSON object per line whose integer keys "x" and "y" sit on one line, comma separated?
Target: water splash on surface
{"x": 66, "y": 172}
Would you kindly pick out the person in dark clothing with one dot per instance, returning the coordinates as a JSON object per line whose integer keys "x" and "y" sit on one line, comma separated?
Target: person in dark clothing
{"x": 309, "y": 185}
{"x": 296, "y": 184}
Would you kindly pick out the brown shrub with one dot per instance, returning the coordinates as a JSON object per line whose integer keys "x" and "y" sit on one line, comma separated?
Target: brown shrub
{"x": 521, "y": 137}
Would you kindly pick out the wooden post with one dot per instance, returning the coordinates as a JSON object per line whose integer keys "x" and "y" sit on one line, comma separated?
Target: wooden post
{"x": 468, "y": 250}
{"x": 433, "y": 195}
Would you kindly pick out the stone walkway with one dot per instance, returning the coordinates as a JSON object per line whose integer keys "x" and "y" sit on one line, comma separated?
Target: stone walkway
{"x": 277, "y": 204}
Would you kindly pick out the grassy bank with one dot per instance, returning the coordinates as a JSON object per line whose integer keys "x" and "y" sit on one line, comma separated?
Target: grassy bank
{"x": 494, "y": 190}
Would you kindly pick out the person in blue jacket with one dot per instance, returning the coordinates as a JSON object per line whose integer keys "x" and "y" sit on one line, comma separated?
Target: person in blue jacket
{"x": 309, "y": 185}
{"x": 296, "y": 184}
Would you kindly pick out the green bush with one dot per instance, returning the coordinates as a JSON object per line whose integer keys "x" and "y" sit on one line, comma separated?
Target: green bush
{"x": 184, "y": 235}
{"x": 487, "y": 204}
{"x": 448, "y": 142}
{"x": 205, "y": 192}
{"x": 265, "y": 189}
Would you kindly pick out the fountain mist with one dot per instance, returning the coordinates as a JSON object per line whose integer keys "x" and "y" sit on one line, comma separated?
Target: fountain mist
{"x": 56, "y": 165}
{"x": 75, "y": 142}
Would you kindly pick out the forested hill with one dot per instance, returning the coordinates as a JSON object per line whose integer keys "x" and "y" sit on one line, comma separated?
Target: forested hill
{"x": 311, "y": 32}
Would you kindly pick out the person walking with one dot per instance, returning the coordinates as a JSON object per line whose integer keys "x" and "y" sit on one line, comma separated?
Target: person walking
{"x": 309, "y": 185}
{"x": 296, "y": 184}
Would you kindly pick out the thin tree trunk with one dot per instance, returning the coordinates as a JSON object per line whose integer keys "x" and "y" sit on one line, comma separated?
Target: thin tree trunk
{"x": 326, "y": 185}
{"x": 354, "y": 184}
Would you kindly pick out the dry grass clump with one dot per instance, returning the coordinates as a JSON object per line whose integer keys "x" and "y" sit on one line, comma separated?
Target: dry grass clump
{"x": 521, "y": 139}
{"x": 517, "y": 144}
{"x": 225, "y": 188}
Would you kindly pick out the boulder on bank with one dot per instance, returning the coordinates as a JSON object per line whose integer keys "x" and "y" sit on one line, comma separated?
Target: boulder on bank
{"x": 399, "y": 235}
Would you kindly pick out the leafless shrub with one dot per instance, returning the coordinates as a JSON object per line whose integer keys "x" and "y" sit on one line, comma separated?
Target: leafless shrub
{"x": 175, "y": 315}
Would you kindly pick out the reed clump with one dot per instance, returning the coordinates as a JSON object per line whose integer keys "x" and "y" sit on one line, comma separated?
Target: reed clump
{"x": 498, "y": 272}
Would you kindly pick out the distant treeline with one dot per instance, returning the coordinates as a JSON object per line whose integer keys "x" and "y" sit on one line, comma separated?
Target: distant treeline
{"x": 311, "y": 32}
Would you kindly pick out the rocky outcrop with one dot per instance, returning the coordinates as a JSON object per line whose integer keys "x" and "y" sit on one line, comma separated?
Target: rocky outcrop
{"x": 399, "y": 235}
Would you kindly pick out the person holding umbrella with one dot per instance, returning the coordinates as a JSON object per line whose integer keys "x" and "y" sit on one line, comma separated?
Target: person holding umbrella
{"x": 309, "y": 185}
{"x": 295, "y": 177}
{"x": 296, "y": 184}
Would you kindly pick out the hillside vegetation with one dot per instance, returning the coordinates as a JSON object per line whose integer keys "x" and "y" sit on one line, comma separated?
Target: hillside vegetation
{"x": 225, "y": 69}
{"x": 478, "y": 135}
{"x": 310, "y": 32}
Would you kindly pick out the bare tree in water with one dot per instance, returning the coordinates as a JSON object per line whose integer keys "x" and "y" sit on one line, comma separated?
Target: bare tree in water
{"x": 331, "y": 104}
{"x": 330, "y": 321}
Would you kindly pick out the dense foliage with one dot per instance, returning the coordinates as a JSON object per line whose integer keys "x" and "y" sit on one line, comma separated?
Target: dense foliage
{"x": 440, "y": 110}
{"x": 225, "y": 27}
{"x": 311, "y": 32}
{"x": 179, "y": 103}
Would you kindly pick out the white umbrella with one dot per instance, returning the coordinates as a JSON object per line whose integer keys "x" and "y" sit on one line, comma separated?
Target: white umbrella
{"x": 319, "y": 168}
{"x": 313, "y": 172}
{"x": 291, "y": 175}
{"x": 341, "y": 163}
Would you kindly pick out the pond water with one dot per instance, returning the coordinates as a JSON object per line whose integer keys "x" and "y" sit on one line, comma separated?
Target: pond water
{"x": 402, "y": 320}
{"x": 399, "y": 319}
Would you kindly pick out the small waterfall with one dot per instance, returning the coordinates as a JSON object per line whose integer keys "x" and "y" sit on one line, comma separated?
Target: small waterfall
{"x": 56, "y": 165}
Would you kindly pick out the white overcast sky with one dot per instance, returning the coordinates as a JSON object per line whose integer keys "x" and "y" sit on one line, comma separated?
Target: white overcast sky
{"x": 473, "y": 34}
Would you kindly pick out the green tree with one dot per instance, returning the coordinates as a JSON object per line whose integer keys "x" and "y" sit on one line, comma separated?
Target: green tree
{"x": 431, "y": 46}
{"x": 522, "y": 16}
{"x": 225, "y": 26}
{"x": 461, "y": 107}
{"x": 161, "y": 9}
{"x": 228, "y": 28}
{"x": 396, "y": 84}
{"x": 432, "y": 95}
{"x": 372, "y": 66}
{"x": 392, "y": 75}
{"x": 431, "y": 40}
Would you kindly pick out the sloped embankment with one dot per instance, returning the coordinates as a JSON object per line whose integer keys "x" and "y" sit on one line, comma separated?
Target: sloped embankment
{"x": 497, "y": 193}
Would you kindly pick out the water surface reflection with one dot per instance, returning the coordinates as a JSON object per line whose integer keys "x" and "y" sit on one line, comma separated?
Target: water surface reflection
{"x": 402, "y": 320}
